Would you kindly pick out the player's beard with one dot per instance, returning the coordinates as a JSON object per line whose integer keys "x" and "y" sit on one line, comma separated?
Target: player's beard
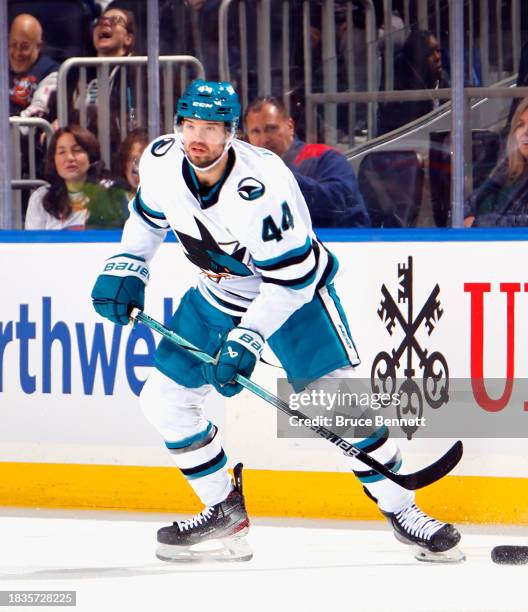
{"x": 205, "y": 159}
{"x": 204, "y": 162}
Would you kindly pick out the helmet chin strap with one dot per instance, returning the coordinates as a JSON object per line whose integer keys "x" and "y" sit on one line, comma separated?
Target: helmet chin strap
{"x": 227, "y": 146}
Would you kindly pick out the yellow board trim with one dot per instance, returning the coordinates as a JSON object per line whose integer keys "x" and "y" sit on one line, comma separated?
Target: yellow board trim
{"x": 475, "y": 499}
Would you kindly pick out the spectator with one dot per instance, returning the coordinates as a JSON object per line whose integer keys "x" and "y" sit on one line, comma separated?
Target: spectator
{"x": 74, "y": 199}
{"x": 32, "y": 75}
{"x": 502, "y": 200}
{"x": 113, "y": 36}
{"x": 419, "y": 66}
{"x": 129, "y": 155}
{"x": 326, "y": 179}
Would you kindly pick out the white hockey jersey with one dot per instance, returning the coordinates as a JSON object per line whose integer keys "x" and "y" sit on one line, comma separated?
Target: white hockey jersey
{"x": 250, "y": 235}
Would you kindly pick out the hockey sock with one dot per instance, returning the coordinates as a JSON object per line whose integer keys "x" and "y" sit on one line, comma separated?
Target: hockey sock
{"x": 390, "y": 496}
{"x": 203, "y": 462}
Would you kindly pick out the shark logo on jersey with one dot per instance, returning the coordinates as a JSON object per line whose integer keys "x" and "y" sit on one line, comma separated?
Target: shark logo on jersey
{"x": 207, "y": 254}
{"x": 160, "y": 147}
{"x": 250, "y": 188}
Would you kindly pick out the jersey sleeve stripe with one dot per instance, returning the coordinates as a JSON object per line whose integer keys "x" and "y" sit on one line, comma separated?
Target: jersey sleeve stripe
{"x": 284, "y": 263}
{"x": 296, "y": 270}
{"x": 226, "y": 304}
{"x": 330, "y": 270}
{"x": 148, "y": 211}
{"x": 294, "y": 283}
{"x": 282, "y": 260}
{"x": 143, "y": 215}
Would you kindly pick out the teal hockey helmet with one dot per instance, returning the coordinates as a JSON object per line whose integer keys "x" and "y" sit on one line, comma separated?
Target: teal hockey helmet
{"x": 210, "y": 101}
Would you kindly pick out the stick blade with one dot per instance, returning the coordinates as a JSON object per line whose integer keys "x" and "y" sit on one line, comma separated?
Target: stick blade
{"x": 510, "y": 555}
{"x": 435, "y": 471}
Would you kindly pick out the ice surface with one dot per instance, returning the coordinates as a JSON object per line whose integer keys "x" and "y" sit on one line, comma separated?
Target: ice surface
{"x": 298, "y": 565}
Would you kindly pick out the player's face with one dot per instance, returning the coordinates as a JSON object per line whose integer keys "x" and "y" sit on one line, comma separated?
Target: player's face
{"x": 71, "y": 160}
{"x": 521, "y": 134}
{"x": 270, "y": 129}
{"x": 203, "y": 141}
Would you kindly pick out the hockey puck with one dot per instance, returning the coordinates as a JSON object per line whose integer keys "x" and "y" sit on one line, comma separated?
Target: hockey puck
{"x": 510, "y": 555}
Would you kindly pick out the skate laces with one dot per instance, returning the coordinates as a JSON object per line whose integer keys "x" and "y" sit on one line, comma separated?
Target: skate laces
{"x": 196, "y": 520}
{"x": 417, "y": 523}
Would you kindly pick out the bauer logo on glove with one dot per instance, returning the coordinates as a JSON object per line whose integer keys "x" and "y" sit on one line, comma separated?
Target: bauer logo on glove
{"x": 126, "y": 267}
{"x": 120, "y": 287}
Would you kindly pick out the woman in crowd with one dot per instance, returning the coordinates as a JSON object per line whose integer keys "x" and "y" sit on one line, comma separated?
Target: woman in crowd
{"x": 113, "y": 35}
{"x": 502, "y": 200}
{"x": 74, "y": 199}
{"x": 129, "y": 155}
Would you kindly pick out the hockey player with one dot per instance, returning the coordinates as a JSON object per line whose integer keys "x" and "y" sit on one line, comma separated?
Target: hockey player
{"x": 241, "y": 219}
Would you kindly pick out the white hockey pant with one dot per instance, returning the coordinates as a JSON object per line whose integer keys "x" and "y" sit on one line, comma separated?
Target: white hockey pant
{"x": 193, "y": 442}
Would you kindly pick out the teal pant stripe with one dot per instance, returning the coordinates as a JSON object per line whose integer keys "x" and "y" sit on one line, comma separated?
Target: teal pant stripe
{"x": 190, "y": 440}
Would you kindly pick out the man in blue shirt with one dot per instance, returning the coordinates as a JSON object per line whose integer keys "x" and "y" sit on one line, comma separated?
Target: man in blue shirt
{"x": 326, "y": 179}
{"x": 32, "y": 75}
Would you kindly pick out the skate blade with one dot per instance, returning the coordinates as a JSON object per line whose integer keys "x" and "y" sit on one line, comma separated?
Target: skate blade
{"x": 225, "y": 549}
{"x": 453, "y": 555}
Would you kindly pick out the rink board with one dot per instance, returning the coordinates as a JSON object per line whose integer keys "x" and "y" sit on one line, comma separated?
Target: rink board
{"x": 73, "y": 434}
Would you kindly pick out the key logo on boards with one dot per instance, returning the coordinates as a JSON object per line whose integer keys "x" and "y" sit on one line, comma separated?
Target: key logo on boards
{"x": 250, "y": 189}
{"x": 385, "y": 367}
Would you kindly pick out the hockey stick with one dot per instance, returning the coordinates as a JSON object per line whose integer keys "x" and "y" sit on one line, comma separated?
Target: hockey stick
{"x": 413, "y": 481}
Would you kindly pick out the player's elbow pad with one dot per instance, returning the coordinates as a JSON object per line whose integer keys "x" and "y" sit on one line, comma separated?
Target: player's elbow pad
{"x": 120, "y": 287}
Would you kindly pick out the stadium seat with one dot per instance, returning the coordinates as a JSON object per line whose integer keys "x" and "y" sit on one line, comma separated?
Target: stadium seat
{"x": 391, "y": 183}
{"x": 485, "y": 153}
{"x": 66, "y": 25}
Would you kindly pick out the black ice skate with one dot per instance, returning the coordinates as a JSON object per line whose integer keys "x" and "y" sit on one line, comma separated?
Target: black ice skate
{"x": 216, "y": 534}
{"x": 432, "y": 540}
